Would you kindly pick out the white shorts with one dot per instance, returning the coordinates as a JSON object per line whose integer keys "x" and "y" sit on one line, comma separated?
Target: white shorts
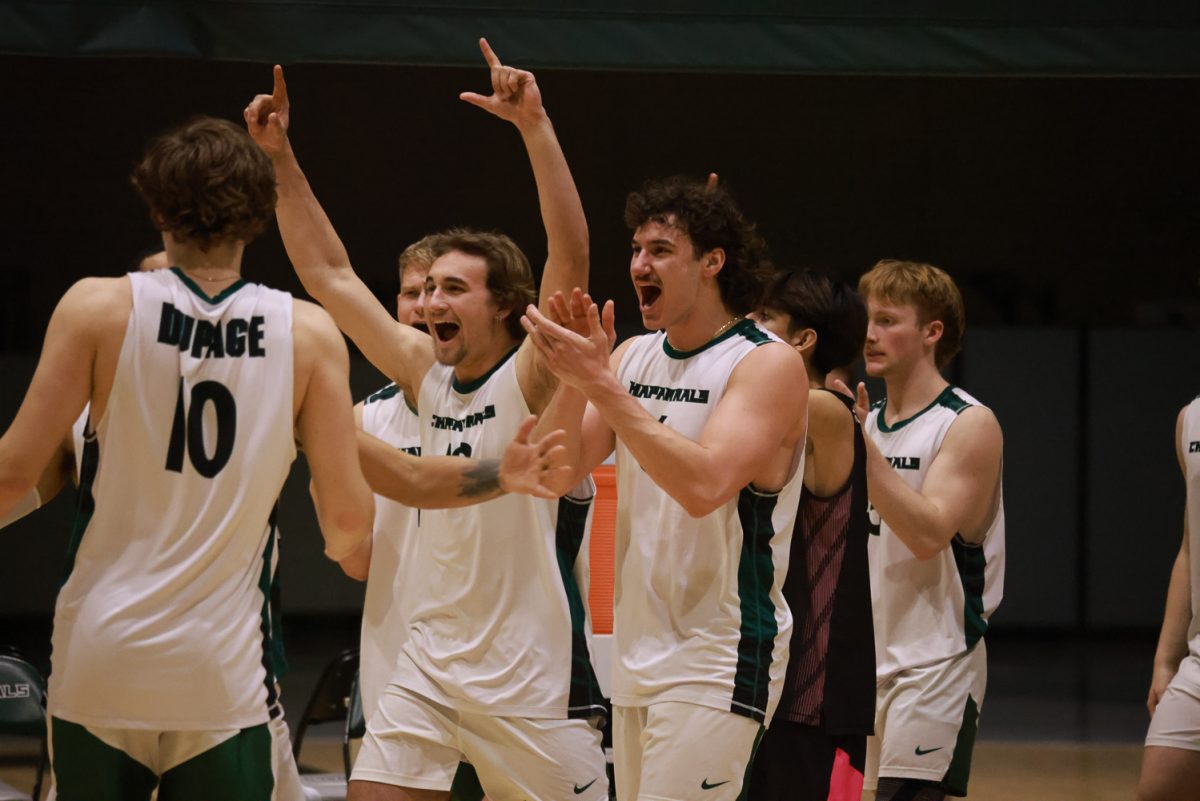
{"x": 1176, "y": 721}
{"x": 147, "y": 763}
{"x": 676, "y": 751}
{"x": 925, "y": 723}
{"x": 287, "y": 776}
{"x": 417, "y": 743}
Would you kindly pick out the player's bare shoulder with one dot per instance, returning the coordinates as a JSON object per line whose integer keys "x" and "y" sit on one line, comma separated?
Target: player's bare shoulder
{"x": 316, "y": 342}
{"x": 828, "y": 417}
{"x": 775, "y": 373}
{"x": 977, "y": 430}
{"x": 314, "y": 333}
{"x": 100, "y": 304}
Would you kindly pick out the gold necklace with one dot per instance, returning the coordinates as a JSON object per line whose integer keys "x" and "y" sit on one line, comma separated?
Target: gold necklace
{"x": 729, "y": 324}
{"x": 193, "y": 276}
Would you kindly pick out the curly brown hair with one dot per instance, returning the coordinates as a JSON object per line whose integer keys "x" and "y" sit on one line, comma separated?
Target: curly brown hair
{"x": 711, "y": 219}
{"x": 509, "y": 276}
{"x": 206, "y": 182}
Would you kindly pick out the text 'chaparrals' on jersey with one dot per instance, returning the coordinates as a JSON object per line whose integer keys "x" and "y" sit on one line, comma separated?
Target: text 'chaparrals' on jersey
{"x": 670, "y": 394}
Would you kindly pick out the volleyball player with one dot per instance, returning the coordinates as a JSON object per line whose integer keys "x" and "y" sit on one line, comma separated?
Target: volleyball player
{"x": 934, "y": 460}
{"x": 707, "y": 416}
{"x": 828, "y": 701}
{"x": 1171, "y": 762}
{"x": 496, "y": 668}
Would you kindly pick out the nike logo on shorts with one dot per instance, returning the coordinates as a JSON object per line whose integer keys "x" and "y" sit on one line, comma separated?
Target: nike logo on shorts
{"x": 923, "y": 751}
{"x": 704, "y": 785}
{"x": 579, "y": 789}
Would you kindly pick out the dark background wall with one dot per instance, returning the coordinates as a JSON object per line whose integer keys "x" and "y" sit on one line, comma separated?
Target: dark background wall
{"x": 1066, "y": 208}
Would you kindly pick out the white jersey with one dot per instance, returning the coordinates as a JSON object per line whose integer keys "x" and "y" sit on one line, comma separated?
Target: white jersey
{"x": 79, "y": 433}
{"x": 700, "y": 615}
{"x": 1190, "y": 445}
{"x": 928, "y": 611}
{"x": 395, "y": 560}
{"x": 164, "y": 621}
{"x": 500, "y": 625}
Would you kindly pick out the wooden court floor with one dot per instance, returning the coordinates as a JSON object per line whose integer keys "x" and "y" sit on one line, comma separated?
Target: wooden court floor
{"x": 1001, "y": 771}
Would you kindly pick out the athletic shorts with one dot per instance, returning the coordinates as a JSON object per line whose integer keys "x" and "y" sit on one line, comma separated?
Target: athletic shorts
{"x": 676, "y": 751}
{"x": 1176, "y": 721}
{"x": 925, "y": 723}
{"x": 417, "y": 743}
{"x": 796, "y": 761}
{"x": 91, "y": 763}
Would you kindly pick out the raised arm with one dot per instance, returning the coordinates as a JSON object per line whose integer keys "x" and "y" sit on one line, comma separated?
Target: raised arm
{"x": 61, "y": 386}
{"x": 1177, "y": 617}
{"x": 529, "y": 466}
{"x": 320, "y": 260}
{"x": 325, "y": 427}
{"x": 761, "y": 416}
{"x": 960, "y": 491}
{"x": 516, "y": 98}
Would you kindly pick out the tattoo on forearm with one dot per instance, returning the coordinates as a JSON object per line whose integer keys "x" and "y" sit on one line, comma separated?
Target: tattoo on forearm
{"x": 482, "y": 479}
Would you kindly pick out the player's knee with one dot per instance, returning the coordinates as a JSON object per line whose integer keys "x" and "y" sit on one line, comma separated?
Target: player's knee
{"x": 908, "y": 790}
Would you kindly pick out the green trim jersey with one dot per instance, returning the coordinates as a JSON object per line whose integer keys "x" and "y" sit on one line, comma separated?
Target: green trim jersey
{"x": 165, "y": 619}
{"x": 500, "y": 625}
{"x": 395, "y": 558}
{"x": 928, "y": 611}
{"x": 700, "y": 615}
{"x": 1190, "y": 445}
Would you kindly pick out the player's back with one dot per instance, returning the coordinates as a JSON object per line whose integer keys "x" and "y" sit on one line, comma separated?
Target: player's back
{"x": 160, "y": 621}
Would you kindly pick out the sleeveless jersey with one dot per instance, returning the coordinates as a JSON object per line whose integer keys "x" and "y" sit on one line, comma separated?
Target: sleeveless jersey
{"x": 164, "y": 620}
{"x": 395, "y": 560}
{"x": 500, "y": 624}
{"x": 700, "y": 614}
{"x": 831, "y": 671}
{"x": 929, "y": 611}
{"x": 1191, "y": 461}
{"x": 81, "y": 435}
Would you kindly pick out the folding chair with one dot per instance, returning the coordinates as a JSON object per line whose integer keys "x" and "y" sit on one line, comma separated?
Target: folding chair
{"x": 23, "y": 710}
{"x": 336, "y": 697}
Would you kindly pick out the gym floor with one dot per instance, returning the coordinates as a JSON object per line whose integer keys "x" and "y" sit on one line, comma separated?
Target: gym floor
{"x": 1063, "y": 719}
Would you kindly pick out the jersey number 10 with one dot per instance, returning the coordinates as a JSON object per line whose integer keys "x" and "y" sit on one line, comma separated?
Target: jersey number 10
{"x": 191, "y": 420}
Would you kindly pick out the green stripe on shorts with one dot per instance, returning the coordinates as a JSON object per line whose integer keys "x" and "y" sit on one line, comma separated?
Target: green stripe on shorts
{"x": 955, "y": 780}
{"x": 239, "y": 769}
{"x": 89, "y": 769}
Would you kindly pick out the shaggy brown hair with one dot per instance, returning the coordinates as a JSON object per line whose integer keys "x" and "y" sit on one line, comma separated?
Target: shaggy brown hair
{"x": 206, "y": 183}
{"x": 509, "y": 276}
{"x": 711, "y": 219}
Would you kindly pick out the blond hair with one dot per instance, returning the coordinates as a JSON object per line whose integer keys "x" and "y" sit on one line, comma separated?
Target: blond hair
{"x": 929, "y": 290}
{"x": 420, "y": 253}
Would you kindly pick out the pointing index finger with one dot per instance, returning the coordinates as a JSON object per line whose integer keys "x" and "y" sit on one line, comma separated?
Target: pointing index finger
{"x": 489, "y": 55}
{"x": 279, "y": 91}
